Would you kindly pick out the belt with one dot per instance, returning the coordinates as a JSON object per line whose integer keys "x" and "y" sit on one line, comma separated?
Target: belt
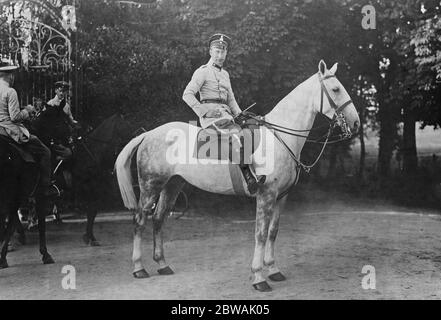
{"x": 214, "y": 101}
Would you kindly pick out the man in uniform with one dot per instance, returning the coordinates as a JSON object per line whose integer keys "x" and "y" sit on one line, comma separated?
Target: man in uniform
{"x": 11, "y": 125}
{"x": 60, "y": 101}
{"x": 55, "y": 122}
{"x": 217, "y": 106}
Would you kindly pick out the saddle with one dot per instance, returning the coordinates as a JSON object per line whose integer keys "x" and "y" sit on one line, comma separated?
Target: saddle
{"x": 17, "y": 149}
{"x": 211, "y": 144}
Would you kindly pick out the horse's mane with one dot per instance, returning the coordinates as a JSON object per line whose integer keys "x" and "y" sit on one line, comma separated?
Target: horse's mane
{"x": 106, "y": 130}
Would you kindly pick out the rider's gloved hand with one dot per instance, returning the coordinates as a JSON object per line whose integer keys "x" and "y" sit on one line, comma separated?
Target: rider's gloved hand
{"x": 31, "y": 110}
{"x": 248, "y": 114}
{"x": 243, "y": 116}
{"x": 213, "y": 114}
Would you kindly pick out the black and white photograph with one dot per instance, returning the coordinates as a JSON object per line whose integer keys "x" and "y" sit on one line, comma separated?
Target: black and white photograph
{"x": 203, "y": 150}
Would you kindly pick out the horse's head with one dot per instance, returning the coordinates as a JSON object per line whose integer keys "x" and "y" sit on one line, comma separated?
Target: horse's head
{"x": 334, "y": 101}
{"x": 125, "y": 129}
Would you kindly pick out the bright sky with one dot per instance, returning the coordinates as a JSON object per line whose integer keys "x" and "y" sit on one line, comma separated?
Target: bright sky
{"x": 428, "y": 141}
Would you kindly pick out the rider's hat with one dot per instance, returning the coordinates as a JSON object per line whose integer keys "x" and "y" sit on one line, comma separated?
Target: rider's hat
{"x": 7, "y": 66}
{"x": 62, "y": 85}
{"x": 220, "y": 40}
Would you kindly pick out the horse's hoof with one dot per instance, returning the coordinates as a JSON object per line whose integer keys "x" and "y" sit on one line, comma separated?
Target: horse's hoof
{"x": 94, "y": 243}
{"x": 47, "y": 259}
{"x": 90, "y": 240}
{"x": 262, "y": 286}
{"x": 165, "y": 271}
{"x": 141, "y": 274}
{"x": 3, "y": 264}
{"x": 278, "y": 276}
{"x": 85, "y": 238}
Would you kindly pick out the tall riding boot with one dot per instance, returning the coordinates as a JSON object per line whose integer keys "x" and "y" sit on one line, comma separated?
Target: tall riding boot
{"x": 250, "y": 179}
{"x": 244, "y": 166}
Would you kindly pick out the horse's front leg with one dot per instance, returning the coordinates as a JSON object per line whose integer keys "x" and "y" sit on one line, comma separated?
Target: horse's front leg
{"x": 20, "y": 231}
{"x": 269, "y": 260}
{"x": 41, "y": 208}
{"x": 264, "y": 209}
{"x": 89, "y": 237}
{"x": 5, "y": 237}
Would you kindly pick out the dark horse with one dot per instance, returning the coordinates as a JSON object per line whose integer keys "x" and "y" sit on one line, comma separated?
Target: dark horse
{"x": 90, "y": 166}
{"x": 19, "y": 178}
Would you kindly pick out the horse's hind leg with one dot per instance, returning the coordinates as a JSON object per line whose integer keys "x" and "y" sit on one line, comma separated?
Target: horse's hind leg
{"x": 138, "y": 269}
{"x": 42, "y": 205}
{"x": 165, "y": 204}
{"x": 90, "y": 194}
{"x": 150, "y": 189}
{"x": 269, "y": 259}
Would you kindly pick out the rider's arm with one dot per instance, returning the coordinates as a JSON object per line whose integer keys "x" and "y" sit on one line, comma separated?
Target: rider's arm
{"x": 51, "y": 102}
{"x": 193, "y": 87}
{"x": 15, "y": 113}
{"x": 68, "y": 112}
{"x": 231, "y": 100}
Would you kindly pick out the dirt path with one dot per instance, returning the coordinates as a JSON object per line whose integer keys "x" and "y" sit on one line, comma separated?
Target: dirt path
{"x": 321, "y": 250}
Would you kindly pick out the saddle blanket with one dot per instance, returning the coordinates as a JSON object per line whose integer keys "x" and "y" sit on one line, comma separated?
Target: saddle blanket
{"x": 211, "y": 144}
{"x": 25, "y": 155}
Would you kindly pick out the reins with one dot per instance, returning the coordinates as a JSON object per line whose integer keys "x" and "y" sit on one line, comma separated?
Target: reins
{"x": 276, "y": 129}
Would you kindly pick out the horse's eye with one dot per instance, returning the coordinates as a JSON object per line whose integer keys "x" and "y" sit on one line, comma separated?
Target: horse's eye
{"x": 336, "y": 89}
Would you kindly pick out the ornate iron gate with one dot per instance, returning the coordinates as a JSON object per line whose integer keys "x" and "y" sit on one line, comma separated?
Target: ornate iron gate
{"x": 36, "y": 35}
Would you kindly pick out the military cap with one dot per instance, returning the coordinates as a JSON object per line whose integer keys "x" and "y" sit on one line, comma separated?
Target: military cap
{"x": 7, "y": 66}
{"x": 62, "y": 85}
{"x": 220, "y": 40}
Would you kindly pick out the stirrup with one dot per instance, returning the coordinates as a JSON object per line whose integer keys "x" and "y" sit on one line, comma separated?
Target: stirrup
{"x": 251, "y": 180}
{"x": 261, "y": 179}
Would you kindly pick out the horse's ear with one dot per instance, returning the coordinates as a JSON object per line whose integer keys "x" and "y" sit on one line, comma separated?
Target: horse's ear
{"x": 333, "y": 70}
{"x": 322, "y": 67}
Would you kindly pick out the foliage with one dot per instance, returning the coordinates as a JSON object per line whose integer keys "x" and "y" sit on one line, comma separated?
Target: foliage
{"x": 137, "y": 59}
{"x": 426, "y": 41}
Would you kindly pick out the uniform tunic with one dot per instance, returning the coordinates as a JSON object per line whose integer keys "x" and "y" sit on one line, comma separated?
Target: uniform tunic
{"x": 212, "y": 83}
{"x": 11, "y": 116}
{"x": 66, "y": 107}
{"x": 53, "y": 123}
{"x": 11, "y": 124}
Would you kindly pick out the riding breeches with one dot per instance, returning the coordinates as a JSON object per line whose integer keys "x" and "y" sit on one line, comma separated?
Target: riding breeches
{"x": 234, "y": 131}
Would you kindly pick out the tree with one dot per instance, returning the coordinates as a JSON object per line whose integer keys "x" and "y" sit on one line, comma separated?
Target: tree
{"x": 415, "y": 87}
{"x": 425, "y": 41}
{"x": 132, "y": 61}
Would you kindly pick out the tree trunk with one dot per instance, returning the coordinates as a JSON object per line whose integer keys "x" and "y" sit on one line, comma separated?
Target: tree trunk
{"x": 387, "y": 137}
{"x": 362, "y": 148}
{"x": 409, "y": 151}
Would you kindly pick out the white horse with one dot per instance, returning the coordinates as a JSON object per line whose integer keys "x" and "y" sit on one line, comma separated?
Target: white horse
{"x": 161, "y": 178}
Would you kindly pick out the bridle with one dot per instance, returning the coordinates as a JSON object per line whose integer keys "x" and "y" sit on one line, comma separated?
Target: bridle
{"x": 337, "y": 120}
{"x": 338, "y": 109}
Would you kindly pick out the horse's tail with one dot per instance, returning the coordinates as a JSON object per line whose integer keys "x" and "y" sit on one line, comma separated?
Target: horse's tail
{"x": 123, "y": 174}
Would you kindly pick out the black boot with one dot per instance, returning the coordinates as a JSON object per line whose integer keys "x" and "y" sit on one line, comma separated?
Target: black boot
{"x": 251, "y": 181}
